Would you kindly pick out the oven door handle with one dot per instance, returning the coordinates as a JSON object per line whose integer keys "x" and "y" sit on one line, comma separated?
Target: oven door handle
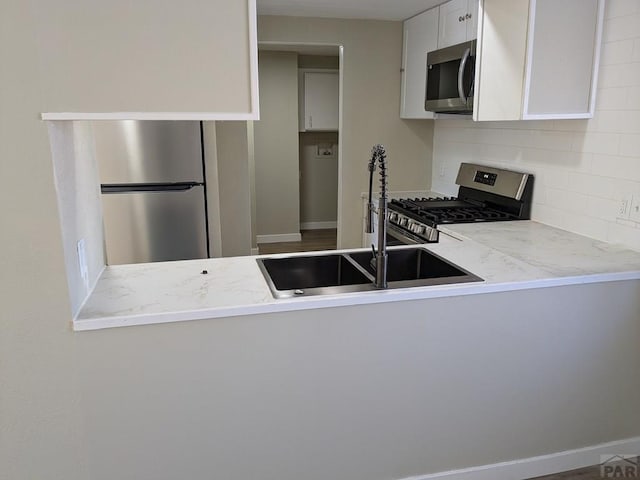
{"x": 463, "y": 64}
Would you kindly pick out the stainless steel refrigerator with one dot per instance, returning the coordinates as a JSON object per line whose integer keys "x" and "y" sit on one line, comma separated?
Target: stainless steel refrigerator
{"x": 152, "y": 176}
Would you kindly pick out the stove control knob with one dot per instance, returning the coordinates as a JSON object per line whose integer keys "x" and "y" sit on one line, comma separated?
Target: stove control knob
{"x": 404, "y": 221}
{"x": 393, "y": 217}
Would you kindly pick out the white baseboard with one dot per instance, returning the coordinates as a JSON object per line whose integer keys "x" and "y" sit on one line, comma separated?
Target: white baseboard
{"x": 542, "y": 465}
{"x": 281, "y": 237}
{"x": 318, "y": 225}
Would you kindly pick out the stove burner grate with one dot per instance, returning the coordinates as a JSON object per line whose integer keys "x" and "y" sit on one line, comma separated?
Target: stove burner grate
{"x": 441, "y": 210}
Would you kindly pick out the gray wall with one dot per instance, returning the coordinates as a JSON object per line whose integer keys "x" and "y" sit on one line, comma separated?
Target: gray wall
{"x": 318, "y": 179}
{"x": 371, "y": 96}
{"x": 234, "y": 187}
{"x": 363, "y": 393}
{"x": 276, "y": 145}
{"x": 41, "y": 413}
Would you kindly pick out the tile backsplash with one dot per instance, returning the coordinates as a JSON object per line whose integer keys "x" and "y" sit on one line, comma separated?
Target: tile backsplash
{"x": 584, "y": 169}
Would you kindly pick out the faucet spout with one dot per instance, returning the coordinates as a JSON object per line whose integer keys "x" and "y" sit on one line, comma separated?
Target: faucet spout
{"x": 378, "y": 154}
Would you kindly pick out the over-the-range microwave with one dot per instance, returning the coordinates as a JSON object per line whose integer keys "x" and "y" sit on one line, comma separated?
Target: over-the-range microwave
{"x": 450, "y": 79}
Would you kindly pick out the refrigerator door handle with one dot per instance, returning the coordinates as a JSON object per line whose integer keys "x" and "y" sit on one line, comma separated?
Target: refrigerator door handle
{"x": 148, "y": 187}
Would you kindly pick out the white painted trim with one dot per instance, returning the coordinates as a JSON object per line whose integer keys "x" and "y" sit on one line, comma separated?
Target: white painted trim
{"x": 596, "y": 58}
{"x": 213, "y": 191}
{"x": 557, "y": 116}
{"x": 255, "y": 251}
{"x": 148, "y": 116}
{"x": 280, "y": 237}
{"x": 529, "y": 59}
{"x": 318, "y": 225}
{"x": 301, "y": 44}
{"x": 542, "y": 465}
{"x": 477, "y": 85}
{"x": 253, "y": 62}
{"x": 318, "y": 70}
{"x": 340, "y": 150}
{"x": 403, "y": 71}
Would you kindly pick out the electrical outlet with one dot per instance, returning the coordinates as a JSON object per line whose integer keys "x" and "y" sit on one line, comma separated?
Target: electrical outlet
{"x": 634, "y": 210}
{"x": 623, "y": 208}
{"x": 82, "y": 261}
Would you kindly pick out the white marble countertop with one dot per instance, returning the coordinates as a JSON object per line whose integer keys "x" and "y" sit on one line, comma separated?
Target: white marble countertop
{"x": 557, "y": 252}
{"x": 507, "y": 255}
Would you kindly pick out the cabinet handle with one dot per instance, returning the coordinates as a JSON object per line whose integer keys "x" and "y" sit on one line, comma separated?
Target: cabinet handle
{"x": 468, "y": 16}
{"x": 460, "y": 19}
{"x": 310, "y": 121}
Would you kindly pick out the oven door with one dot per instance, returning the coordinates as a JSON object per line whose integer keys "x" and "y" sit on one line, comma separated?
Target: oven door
{"x": 400, "y": 236}
{"x": 450, "y": 79}
{"x": 393, "y": 240}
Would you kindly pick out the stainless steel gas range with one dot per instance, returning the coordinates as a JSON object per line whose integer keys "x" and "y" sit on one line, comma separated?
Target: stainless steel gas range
{"x": 486, "y": 194}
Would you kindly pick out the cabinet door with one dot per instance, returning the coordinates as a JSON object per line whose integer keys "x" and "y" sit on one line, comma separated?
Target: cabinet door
{"x": 144, "y": 59}
{"x": 453, "y": 23}
{"x": 500, "y": 60}
{"x": 560, "y": 74}
{"x": 420, "y": 37}
{"x": 321, "y": 100}
{"x": 534, "y": 65}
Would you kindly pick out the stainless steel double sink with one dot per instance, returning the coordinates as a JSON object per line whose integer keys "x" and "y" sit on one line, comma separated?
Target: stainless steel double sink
{"x": 327, "y": 274}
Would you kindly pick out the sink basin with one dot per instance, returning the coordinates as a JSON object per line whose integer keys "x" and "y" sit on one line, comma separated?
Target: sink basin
{"x": 312, "y": 275}
{"x": 411, "y": 265}
{"x": 321, "y": 274}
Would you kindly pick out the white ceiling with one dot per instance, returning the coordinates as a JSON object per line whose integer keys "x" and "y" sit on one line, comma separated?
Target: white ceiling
{"x": 369, "y": 9}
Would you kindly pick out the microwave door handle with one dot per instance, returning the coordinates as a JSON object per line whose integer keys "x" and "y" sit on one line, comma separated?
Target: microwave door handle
{"x": 463, "y": 64}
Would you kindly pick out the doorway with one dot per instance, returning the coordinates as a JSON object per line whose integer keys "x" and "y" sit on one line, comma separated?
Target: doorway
{"x": 301, "y": 214}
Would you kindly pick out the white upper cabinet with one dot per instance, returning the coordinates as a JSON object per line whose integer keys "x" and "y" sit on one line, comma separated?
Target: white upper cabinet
{"x": 561, "y": 68}
{"x": 537, "y": 59}
{"x": 143, "y": 59}
{"x": 420, "y": 37}
{"x": 321, "y": 101}
{"x": 458, "y": 22}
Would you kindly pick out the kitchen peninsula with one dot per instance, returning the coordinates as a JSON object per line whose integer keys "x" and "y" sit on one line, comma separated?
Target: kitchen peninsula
{"x": 508, "y": 256}
{"x": 500, "y": 376}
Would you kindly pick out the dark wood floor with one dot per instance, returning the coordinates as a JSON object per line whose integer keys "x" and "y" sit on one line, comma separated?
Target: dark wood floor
{"x": 594, "y": 472}
{"x": 312, "y": 240}
{"x": 588, "y": 473}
